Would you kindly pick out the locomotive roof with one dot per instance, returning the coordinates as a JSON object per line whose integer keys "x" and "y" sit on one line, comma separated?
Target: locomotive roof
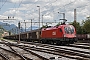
{"x": 55, "y": 27}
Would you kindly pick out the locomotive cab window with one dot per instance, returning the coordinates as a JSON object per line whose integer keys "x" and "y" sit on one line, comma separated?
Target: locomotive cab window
{"x": 69, "y": 30}
{"x": 60, "y": 30}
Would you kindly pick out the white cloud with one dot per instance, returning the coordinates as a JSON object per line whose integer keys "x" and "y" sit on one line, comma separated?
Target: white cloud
{"x": 2, "y": 16}
{"x": 28, "y": 9}
{"x": 48, "y": 17}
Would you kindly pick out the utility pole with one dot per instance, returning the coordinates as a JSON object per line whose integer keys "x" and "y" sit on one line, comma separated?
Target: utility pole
{"x": 19, "y": 31}
{"x": 42, "y": 20}
{"x": 74, "y": 15}
{"x": 31, "y": 24}
{"x": 25, "y": 25}
{"x": 75, "y": 19}
{"x": 39, "y": 16}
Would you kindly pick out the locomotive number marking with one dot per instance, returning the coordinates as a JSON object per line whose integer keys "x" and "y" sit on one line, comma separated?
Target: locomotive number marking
{"x": 54, "y": 33}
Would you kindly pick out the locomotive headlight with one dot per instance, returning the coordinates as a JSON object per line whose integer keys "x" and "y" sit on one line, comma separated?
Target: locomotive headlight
{"x": 75, "y": 35}
{"x": 64, "y": 35}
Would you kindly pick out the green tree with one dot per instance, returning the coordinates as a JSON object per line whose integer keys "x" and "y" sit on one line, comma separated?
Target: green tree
{"x": 77, "y": 27}
{"x": 1, "y": 31}
{"x": 58, "y": 24}
{"x": 86, "y": 25}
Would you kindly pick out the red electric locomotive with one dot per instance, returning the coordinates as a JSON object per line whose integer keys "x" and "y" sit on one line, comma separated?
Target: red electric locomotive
{"x": 63, "y": 34}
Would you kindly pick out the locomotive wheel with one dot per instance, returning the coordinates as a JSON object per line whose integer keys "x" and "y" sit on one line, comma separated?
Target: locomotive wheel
{"x": 58, "y": 43}
{"x": 42, "y": 41}
{"x": 72, "y": 42}
{"x": 52, "y": 42}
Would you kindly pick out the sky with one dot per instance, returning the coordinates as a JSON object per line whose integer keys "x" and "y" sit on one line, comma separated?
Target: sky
{"x": 27, "y": 9}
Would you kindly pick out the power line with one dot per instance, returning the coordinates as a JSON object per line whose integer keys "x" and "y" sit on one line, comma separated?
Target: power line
{"x": 14, "y": 8}
{"x": 43, "y": 7}
{"x": 3, "y": 4}
{"x": 18, "y": 6}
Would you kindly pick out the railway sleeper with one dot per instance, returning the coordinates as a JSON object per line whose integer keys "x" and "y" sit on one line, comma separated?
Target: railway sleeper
{"x": 61, "y": 54}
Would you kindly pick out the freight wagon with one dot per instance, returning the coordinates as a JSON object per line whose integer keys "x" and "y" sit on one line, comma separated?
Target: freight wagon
{"x": 83, "y": 36}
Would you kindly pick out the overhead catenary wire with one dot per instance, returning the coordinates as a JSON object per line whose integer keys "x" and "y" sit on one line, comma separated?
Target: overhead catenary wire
{"x": 3, "y": 4}
{"x": 47, "y": 10}
{"x": 42, "y": 7}
{"x": 50, "y": 4}
{"x": 18, "y": 6}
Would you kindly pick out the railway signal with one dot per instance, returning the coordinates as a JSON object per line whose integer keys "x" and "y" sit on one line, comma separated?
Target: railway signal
{"x": 19, "y": 25}
{"x": 9, "y": 18}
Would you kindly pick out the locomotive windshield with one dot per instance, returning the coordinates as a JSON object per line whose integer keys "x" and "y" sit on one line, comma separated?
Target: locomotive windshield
{"x": 69, "y": 29}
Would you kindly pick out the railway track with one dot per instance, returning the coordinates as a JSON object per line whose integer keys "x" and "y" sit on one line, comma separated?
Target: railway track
{"x": 83, "y": 46}
{"x": 24, "y": 54}
{"x": 74, "y": 51}
{"x": 63, "y": 51}
{"x": 87, "y": 44}
{"x": 3, "y": 57}
{"x": 9, "y": 55}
